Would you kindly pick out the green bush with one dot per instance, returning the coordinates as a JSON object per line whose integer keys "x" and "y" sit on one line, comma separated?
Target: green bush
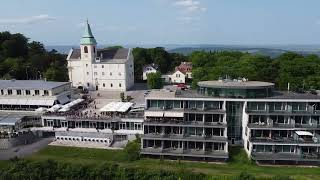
{"x": 132, "y": 150}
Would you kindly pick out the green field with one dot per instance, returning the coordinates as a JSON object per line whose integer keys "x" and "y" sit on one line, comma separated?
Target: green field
{"x": 238, "y": 163}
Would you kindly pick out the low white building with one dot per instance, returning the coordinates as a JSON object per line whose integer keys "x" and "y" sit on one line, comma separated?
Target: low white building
{"x": 100, "y": 69}
{"x": 175, "y": 77}
{"x": 150, "y": 68}
{"x": 32, "y": 94}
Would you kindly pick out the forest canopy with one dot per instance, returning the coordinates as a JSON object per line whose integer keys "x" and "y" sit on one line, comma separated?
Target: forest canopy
{"x": 302, "y": 72}
{"x": 21, "y": 58}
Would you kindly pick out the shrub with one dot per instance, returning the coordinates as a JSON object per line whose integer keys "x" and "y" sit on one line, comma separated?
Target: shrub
{"x": 132, "y": 150}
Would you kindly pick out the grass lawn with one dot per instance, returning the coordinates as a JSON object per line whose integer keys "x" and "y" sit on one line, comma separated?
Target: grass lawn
{"x": 238, "y": 163}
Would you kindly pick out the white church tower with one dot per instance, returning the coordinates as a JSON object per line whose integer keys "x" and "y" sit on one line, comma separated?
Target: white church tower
{"x": 88, "y": 44}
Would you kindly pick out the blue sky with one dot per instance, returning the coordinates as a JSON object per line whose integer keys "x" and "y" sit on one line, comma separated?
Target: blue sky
{"x": 244, "y": 22}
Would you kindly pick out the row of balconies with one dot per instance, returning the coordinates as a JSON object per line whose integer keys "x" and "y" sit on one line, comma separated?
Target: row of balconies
{"x": 183, "y": 123}
{"x": 285, "y": 156}
{"x": 285, "y": 122}
{"x": 287, "y": 110}
{"x": 185, "y": 152}
{"x": 289, "y": 140}
{"x": 280, "y": 125}
{"x": 185, "y": 137}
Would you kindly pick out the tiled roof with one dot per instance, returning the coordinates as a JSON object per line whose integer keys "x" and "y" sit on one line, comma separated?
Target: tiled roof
{"x": 105, "y": 54}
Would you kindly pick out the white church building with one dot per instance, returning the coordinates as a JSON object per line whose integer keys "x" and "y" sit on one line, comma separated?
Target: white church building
{"x": 100, "y": 69}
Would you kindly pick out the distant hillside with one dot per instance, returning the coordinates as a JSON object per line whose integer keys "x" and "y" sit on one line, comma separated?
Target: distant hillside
{"x": 272, "y": 52}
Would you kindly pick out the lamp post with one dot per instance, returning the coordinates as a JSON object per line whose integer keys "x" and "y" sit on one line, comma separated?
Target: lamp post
{"x": 27, "y": 72}
{"x": 40, "y": 75}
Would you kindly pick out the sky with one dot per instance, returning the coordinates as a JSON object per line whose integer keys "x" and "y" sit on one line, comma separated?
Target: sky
{"x": 122, "y": 22}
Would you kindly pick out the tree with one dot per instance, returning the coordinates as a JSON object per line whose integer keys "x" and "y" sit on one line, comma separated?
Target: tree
{"x": 154, "y": 80}
{"x": 132, "y": 150}
{"x": 165, "y": 60}
{"x": 20, "y": 59}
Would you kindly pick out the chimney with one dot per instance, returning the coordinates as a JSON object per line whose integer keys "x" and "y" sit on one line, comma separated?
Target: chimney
{"x": 288, "y": 86}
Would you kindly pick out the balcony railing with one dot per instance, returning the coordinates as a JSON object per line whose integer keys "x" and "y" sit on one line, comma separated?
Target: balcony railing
{"x": 284, "y": 140}
{"x": 165, "y": 121}
{"x": 282, "y": 125}
{"x": 184, "y": 152}
{"x": 185, "y": 137}
{"x": 285, "y": 156}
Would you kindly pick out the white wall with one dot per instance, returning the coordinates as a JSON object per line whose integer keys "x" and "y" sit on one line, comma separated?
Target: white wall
{"x": 85, "y": 71}
{"x": 147, "y": 71}
{"x": 178, "y": 77}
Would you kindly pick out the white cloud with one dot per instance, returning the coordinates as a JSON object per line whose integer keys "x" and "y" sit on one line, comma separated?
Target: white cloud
{"x": 111, "y": 28}
{"x": 27, "y": 20}
{"x": 190, "y": 5}
{"x": 187, "y": 19}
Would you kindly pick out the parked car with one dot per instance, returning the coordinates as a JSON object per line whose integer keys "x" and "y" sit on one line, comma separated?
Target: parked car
{"x": 182, "y": 86}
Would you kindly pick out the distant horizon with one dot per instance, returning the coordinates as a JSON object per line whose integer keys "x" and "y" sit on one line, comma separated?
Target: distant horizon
{"x": 293, "y": 47}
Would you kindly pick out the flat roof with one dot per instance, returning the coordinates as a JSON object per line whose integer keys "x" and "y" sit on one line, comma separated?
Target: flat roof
{"x": 30, "y": 84}
{"x": 235, "y": 84}
{"x": 158, "y": 94}
{"x": 9, "y": 120}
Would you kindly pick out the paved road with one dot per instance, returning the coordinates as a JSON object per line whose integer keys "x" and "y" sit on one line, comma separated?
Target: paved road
{"x": 25, "y": 150}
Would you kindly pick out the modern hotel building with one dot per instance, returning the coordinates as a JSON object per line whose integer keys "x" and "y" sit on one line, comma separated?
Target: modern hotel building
{"x": 272, "y": 126}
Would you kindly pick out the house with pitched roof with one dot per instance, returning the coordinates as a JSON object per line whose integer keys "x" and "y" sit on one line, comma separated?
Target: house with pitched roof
{"x": 149, "y": 68}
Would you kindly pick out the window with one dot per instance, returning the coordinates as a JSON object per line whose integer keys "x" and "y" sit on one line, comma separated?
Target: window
{"x": 95, "y": 73}
{"x": 36, "y": 92}
{"x": 95, "y": 66}
{"x": 110, "y": 73}
{"x": 87, "y": 73}
{"x": 27, "y": 92}
{"x": 2, "y": 92}
{"x": 86, "y": 65}
{"x": 119, "y": 84}
{"x": 177, "y": 75}
{"x": 102, "y": 73}
{"x": 9, "y": 91}
{"x": 46, "y": 92}
{"x": 102, "y": 66}
{"x": 18, "y": 92}
{"x": 94, "y": 49}
{"x": 85, "y": 49}
{"x": 111, "y": 85}
{"x": 119, "y": 73}
{"x": 104, "y": 85}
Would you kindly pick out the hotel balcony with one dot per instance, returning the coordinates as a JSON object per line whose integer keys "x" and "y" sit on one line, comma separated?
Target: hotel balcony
{"x": 286, "y": 140}
{"x": 182, "y": 123}
{"x": 289, "y": 124}
{"x": 308, "y": 111}
{"x": 204, "y": 111}
{"x": 282, "y": 156}
{"x": 184, "y": 152}
{"x": 189, "y": 110}
{"x": 181, "y": 137}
